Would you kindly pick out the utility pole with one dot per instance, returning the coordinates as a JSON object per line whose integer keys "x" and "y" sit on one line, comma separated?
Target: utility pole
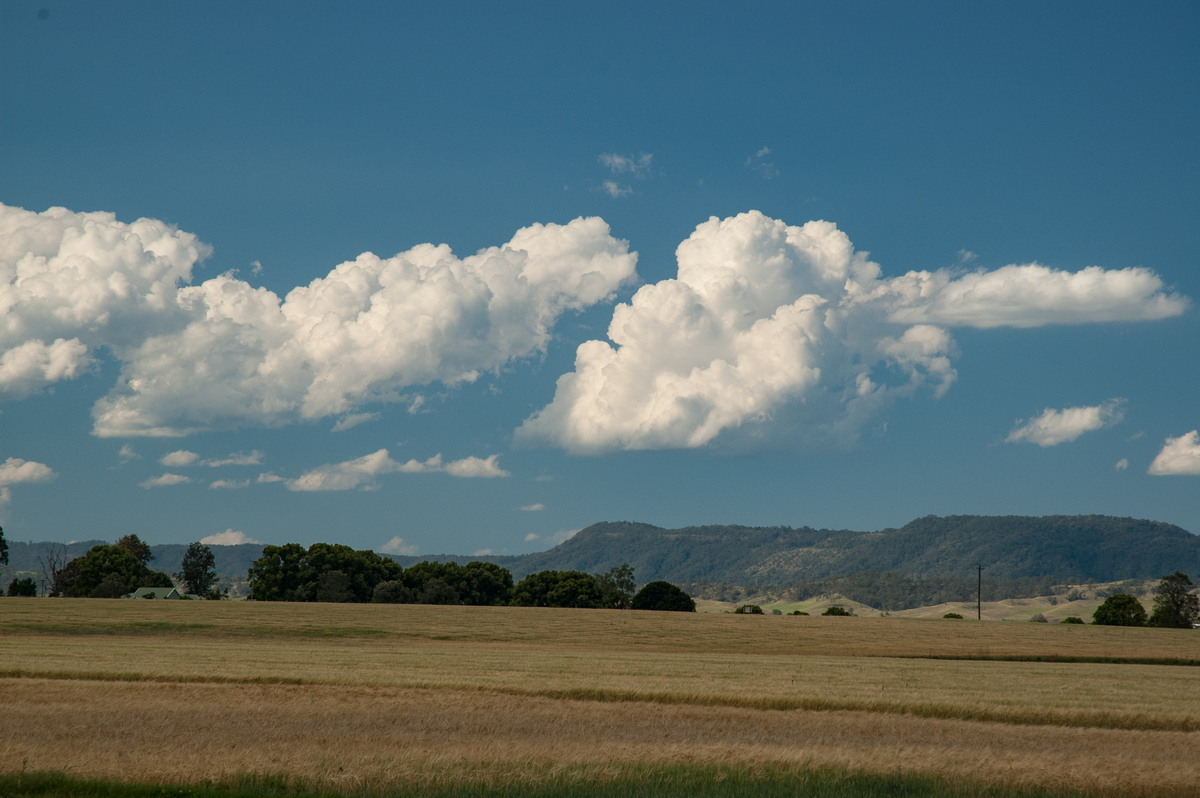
{"x": 979, "y": 595}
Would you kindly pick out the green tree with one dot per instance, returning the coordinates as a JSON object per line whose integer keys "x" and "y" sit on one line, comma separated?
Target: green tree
{"x": 618, "y": 586}
{"x": 3, "y": 548}
{"x": 393, "y": 591}
{"x": 198, "y": 571}
{"x": 110, "y": 571}
{"x": 1120, "y": 609}
{"x": 277, "y": 574}
{"x": 137, "y": 548}
{"x": 558, "y": 589}
{"x": 1175, "y": 606}
{"x": 837, "y": 611}
{"x": 22, "y": 587}
{"x": 335, "y": 586}
{"x": 660, "y": 595}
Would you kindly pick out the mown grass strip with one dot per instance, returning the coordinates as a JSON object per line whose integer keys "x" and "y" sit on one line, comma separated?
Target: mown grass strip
{"x": 672, "y": 781}
{"x": 1053, "y": 658}
{"x": 1081, "y": 718}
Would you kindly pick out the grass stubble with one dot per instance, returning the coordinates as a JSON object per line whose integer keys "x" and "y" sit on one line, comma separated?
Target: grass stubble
{"x": 382, "y": 699}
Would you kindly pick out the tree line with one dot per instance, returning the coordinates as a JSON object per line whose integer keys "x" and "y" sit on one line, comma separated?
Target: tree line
{"x": 338, "y": 573}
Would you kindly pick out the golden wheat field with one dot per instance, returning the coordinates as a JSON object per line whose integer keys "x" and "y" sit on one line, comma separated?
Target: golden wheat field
{"x": 355, "y": 696}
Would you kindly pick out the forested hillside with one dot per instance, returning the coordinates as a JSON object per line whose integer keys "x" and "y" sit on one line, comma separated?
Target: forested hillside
{"x": 1060, "y": 548}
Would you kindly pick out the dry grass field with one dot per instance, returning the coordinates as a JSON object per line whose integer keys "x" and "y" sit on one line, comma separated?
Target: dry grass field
{"x": 354, "y": 698}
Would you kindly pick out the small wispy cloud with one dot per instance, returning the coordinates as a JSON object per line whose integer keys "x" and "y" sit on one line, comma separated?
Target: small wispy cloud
{"x": 353, "y": 420}
{"x": 759, "y": 164}
{"x": 128, "y": 454}
{"x": 183, "y": 458}
{"x": 636, "y": 165}
{"x": 1122, "y": 464}
{"x": 179, "y": 459}
{"x": 533, "y": 508}
{"x": 398, "y": 545}
{"x": 1053, "y": 427}
{"x": 1179, "y": 456}
{"x": 229, "y": 484}
{"x": 230, "y": 537}
{"x": 166, "y": 480}
{"x": 361, "y": 472}
{"x": 615, "y": 190}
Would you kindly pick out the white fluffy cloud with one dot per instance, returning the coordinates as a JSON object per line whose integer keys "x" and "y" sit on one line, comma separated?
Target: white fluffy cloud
{"x": 767, "y": 321}
{"x": 73, "y": 282}
{"x": 224, "y": 354}
{"x": 15, "y": 471}
{"x": 1178, "y": 456}
{"x": 361, "y": 472}
{"x": 1053, "y": 427}
{"x": 230, "y": 537}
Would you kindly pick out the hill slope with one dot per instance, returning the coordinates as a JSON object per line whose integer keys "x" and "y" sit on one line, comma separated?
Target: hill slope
{"x": 1063, "y": 548}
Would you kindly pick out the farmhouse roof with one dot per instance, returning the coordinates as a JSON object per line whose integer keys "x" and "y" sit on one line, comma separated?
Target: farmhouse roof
{"x": 156, "y": 592}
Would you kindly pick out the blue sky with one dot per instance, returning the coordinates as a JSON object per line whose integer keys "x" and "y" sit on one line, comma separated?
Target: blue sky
{"x": 470, "y": 277}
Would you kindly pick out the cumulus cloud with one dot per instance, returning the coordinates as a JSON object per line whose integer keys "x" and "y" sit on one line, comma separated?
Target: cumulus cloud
{"x": 362, "y": 472}
{"x": 15, "y": 471}
{"x": 398, "y": 546}
{"x": 71, "y": 283}
{"x": 770, "y": 328}
{"x": 230, "y": 537}
{"x": 166, "y": 480}
{"x": 224, "y": 354}
{"x": 1178, "y": 456}
{"x": 1053, "y": 427}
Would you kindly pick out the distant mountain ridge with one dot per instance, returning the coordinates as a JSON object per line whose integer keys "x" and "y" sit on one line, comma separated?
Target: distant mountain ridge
{"x": 1066, "y": 549}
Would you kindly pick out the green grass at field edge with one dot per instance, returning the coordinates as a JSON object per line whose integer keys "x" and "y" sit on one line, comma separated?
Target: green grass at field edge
{"x": 669, "y": 781}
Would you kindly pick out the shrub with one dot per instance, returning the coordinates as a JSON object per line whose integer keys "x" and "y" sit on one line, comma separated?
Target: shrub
{"x": 1072, "y": 619}
{"x": 837, "y": 611}
{"x": 22, "y": 587}
{"x": 660, "y": 595}
{"x": 749, "y": 609}
{"x": 799, "y": 612}
{"x": 952, "y": 615}
{"x": 1121, "y": 609}
{"x": 1038, "y": 618}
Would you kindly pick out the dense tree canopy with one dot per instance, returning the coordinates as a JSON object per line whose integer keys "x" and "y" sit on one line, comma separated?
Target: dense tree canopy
{"x": 3, "y": 548}
{"x": 559, "y": 589}
{"x": 1121, "y": 609}
{"x": 1174, "y": 605}
{"x": 325, "y": 572}
{"x": 107, "y": 572}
